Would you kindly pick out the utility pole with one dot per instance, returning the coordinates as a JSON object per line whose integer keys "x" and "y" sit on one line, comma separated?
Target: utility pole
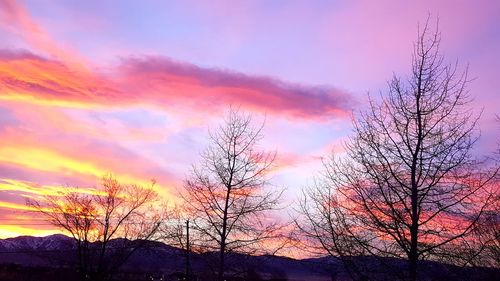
{"x": 188, "y": 249}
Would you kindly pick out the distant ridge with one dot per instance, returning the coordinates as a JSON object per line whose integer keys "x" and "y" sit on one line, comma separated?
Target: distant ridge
{"x": 55, "y": 251}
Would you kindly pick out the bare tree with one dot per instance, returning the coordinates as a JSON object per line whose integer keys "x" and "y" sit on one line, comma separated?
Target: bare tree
{"x": 95, "y": 221}
{"x": 75, "y": 213}
{"x": 227, "y": 193}
{"x": 408, "y": 185}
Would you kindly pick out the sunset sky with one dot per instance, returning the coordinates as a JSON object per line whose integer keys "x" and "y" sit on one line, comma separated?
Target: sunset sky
{"x": 131, "y": 87}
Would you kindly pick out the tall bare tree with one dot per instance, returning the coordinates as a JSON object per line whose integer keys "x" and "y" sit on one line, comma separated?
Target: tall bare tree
{"x": 96, "y": 220}
{"x": 228, "y": 192}
{"x": 408, "y": 185}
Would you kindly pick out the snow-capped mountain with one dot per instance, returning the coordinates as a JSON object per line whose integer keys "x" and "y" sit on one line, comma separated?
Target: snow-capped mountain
{"x": 47, "y": 243}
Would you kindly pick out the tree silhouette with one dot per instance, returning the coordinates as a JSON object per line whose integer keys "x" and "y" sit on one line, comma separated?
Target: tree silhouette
{"x": 408, "y": 186}
{"x": 228, "y": 192}
{"x": 96, "y": 220}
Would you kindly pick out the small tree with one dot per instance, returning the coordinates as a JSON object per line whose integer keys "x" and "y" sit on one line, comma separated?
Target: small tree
{"x": 95, "y": 221}
{"x": 75, "y": 213}
{"x": 408, "y": 185}
{"x": 227, "y": 193}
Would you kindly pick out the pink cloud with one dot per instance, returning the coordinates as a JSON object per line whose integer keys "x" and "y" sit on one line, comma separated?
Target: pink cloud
{"x": 18, "y": 21}
{"x": 163, "y": 82}
{"x": 169, "y": 81}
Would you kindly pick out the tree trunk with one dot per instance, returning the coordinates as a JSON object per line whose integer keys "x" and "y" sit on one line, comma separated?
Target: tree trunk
{"x": 223, "y": 235}
{"x": 220, "y": 276}
{"x": 188, "y": 270}
{"x": 413, "y": 256}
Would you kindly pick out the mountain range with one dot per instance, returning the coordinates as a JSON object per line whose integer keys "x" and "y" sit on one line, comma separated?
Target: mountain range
{"x": 57, "y": 251}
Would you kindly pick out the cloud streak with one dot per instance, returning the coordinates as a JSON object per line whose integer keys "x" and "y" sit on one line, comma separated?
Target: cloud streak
{"x": 160, "y": 81}
{"x": 82, "y": 159}
{"x": 168, "y": 80}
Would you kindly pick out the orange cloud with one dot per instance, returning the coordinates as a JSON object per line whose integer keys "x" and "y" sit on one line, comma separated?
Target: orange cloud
{"x": 18, "y": 219}
{"x": 33, "y": 79}
{"x": 15, "y": 206}
{"x": 46, "y": 160}
{"x": 91, "y": 165}
{"x": 33, "y": 188}
{"x": 8, "y": 230}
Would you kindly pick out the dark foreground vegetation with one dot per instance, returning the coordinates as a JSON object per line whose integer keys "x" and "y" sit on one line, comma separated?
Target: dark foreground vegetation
{"x": 319, "y": 272}
{"x": 54, "y": 258}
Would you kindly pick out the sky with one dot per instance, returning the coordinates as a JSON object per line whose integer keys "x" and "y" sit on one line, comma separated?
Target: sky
{"x": 132, "y": 87}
